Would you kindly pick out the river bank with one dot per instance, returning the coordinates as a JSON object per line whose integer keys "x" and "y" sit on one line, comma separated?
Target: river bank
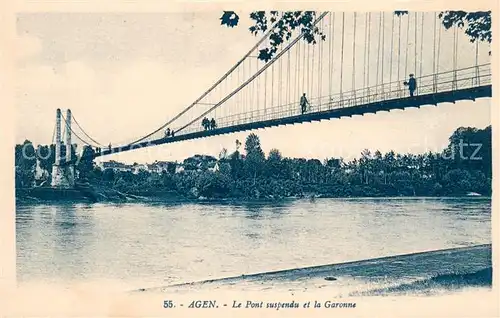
{"x": 110, "y": 195}
{"x": 423, "y": 273}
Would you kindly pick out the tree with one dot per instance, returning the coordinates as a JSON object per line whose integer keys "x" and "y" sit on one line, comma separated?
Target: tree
{"x": 366, "y": 165}
{"x": 108, "y": 175}
{"x": 236, "y": 163}
{"x": 25, "y": 161}
{"x": 274, "y": 155}
{"x": 171, "y": 167}
{"x": 255, "y": 156}
{"x": 389, "y": 162}
{"x": 313, "y": 171}
{"x": 85, "y": 165}
{"x": 252, "y": 146}
{"x": 470, "y": 148}
{"x": 334, "y": 163}
{"x": 477, "y": 26}
{"x": 225, "y": 168}
{"x": 378, "y": 168}
{"x": 274, "y": 162}
{"x": 457, "y": 182}
{"x": 46, "y": 155}
{"x": 210, "y": 184}
{"x": 285, "y": 24}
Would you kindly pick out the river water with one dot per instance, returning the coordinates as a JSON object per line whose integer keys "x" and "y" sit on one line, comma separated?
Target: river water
{"x": 141, "y": 245}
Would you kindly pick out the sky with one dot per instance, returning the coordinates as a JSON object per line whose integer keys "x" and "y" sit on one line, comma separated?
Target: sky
{"x": 124, "y": 75}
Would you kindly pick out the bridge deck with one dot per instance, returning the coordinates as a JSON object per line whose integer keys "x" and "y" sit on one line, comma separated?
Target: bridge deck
{"x": 387, "y": 105}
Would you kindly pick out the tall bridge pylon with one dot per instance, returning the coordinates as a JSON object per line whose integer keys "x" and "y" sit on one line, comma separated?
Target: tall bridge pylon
{"x": 63, "y": 175}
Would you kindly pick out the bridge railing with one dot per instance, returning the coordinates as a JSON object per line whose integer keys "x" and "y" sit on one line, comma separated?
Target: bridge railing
{"x": 470, "y": 77}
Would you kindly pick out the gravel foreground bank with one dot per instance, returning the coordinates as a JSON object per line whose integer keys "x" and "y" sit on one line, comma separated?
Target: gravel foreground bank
{"x": 416, "y": 273}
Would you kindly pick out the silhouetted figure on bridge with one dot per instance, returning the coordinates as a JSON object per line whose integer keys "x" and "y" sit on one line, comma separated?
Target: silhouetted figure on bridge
{"x": 109, "y": 147}
{"x": 205, "y": 123}
{"x": 303, "y": 103}
{"x": 172, "y": 133}
{"x": 412, "y": 84}
{"x": 167, "y": 132}
{"x": 213, "y": 125}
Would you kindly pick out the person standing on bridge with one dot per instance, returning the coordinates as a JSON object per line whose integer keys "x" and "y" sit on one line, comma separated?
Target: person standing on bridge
{"x": 205, "y": 123}
{"x": 213, "y": 125}
{"x": 412, "y": 84}
{"x": 303, "y": 103}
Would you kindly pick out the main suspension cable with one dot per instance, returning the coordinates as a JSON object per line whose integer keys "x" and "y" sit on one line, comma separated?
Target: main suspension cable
{"x": 76, "y": 122}
{"x": 278, "y": 55}
{"x": 265, "y": 37}
{"x": 75, "y": 134}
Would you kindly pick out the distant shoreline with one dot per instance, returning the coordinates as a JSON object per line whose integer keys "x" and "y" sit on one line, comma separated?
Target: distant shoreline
{"x": 254, "y": 176}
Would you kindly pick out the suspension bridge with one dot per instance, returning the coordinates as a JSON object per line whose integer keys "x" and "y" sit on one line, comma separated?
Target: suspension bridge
{"x": 360, "y": 65}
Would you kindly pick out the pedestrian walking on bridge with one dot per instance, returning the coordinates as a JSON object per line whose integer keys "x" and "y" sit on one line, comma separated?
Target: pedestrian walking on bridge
{"x": 412, "y": 84}
{"x": 205, "y": 123}
{"x": 303, "y": 103}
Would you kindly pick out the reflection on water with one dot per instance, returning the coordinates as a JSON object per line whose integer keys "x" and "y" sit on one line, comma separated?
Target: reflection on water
{"x": 155, "y": 244}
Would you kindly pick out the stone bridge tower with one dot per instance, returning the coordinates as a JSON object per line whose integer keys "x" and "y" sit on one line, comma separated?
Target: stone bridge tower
{"x": 63, "y": 171}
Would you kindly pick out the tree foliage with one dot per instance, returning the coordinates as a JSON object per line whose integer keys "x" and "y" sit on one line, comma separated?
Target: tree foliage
{"x": 25, "y": 162}
{"x": 46, "y": 155}
{"x": 85, "y": 165}
{"x": 254, "y": 155}
{"x": 464, "y": 166}
{"x": 477, "y": 26}
{"x": 229, "y": 18}
{"x": 286, "y": 23}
